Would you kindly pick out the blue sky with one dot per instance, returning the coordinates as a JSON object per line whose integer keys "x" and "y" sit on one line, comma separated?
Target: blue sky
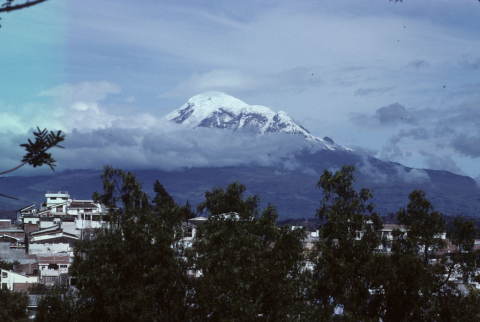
{"x": 400, "y": 81}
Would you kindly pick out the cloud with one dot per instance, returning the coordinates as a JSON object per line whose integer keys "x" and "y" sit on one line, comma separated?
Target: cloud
{"x": 170, "y": 146}
{"x": 235, "y": 82}
{"x": 469, "y": 63}
{"x": 477, "y": 179}
{"x": 364, "y": 151}
{"x": 467, "y": 145}
{"x": 418, "y": 63}
{"x": 436, "y": 162}
{"x": 98, "y": 134}
{"x": 415, "y": 133}
{"x": 391, "y": 114}
{"x": 83, "y": 92}
{"x": 391, "y": 151}
{"x": 400, "y": 173}
{"x": 369, "y": 91}
{"x": 411, "y": 175}
{"x": 385, "y": 116}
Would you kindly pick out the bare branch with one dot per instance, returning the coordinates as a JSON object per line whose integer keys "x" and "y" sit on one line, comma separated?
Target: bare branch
{"x": 17, "y": 167}
{"x": 8, "y": 7}
{"x": 2, "y": 195}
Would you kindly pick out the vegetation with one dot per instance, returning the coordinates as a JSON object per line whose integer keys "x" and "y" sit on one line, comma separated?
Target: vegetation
{"x": 36, "y": 151}
{"x": 251, "y": 268}
{"x": 130, "y": 272}
{"x": 242, "y": 266}
{"x": 13, "y": 306}
{"x": 8, "y": 265}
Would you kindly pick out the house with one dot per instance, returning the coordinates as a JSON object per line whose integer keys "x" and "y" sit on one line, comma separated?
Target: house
{"x": 16, "y": 282}
{"x": 25, "y": 211}
{"x": 53, "y": 268}
{"x": 51, "y": 240}
{"x": 73, "y": 216}
{"x": 13, "y": 235}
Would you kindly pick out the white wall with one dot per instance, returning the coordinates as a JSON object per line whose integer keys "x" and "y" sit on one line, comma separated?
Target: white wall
{"x": 9, "y": 278}
{"x": 49, "y": 248}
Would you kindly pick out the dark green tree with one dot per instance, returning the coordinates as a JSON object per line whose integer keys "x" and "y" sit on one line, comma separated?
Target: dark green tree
{"x": 425, "y": 226}
{"x": 346, "y": 265}
{"x": 421, "y": 279}
{"x": 57, "y": 305}
{"x": 251, "y": 269}
{"x": 130, "y": 272}
{"x": 8, "y": 265}
{"x": 13, "y": 306}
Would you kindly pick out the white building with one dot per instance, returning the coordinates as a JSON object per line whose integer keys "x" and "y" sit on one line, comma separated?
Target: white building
{"x": 12, "y": 281}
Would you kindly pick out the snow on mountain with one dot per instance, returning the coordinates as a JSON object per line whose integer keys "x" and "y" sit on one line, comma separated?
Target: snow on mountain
{"x": 219, "y": 110}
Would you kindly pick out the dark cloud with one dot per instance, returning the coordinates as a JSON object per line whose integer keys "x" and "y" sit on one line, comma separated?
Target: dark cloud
{"x": 418, "y": 63}
{"x": 467, "y": 145}
{"x": 173, "y": 147}
{"x": 401, "y": 173}
{"x": 415, "y": 133}
{"x": 391, "y": 151}
{"x": 369, "y": 91}
{"x": 437, "y": 162}
{"x": 469, "y": 64}
{"x": 102, "y": 137}
{"x": 385, "y": 116}
{"x": 392, "y": 114}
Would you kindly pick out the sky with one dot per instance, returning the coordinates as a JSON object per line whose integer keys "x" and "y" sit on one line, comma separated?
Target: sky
{"x": 398, "y": 81}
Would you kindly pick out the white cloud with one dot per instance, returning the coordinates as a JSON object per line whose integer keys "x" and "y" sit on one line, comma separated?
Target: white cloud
{"x": 82, "y": 92}
{"x": 235, "y": 82}
{"x": 98, "y": 135}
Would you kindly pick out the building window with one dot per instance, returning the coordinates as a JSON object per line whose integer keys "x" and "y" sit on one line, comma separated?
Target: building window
{"x": 4, "y": 275}
{"x": 189, "y": 232}
{"x": 59, "y": 209}
{"x": 88, "y": 210}
{"x": 63, "y": 266}
{"x": 53, "y": 198}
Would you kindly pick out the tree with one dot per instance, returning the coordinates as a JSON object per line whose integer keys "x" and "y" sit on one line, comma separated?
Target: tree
{"x": 346, "y": 265}
{"x": 37, "y": 151}
{"x": 131, "y": 272}
{"x": 251, "y": 269}
{"x": 425, "y": 226}
{"x": 57, "y": 305}
{"x": 8, "y": 265}
{"x": 13, "y": 306}
{"x": 419, "y": 282}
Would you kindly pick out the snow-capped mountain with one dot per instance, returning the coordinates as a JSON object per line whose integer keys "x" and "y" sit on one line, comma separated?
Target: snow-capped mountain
{"x": 219, "y": 110}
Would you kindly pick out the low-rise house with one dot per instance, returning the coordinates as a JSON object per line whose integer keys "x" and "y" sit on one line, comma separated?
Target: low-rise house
{"x": 16, "y": 282}
{"x": 5, "y": 223}
{"x": 26, "y": 266}
{"x": 51, "y": 240}
{"x": 25, "y": 211}
{"x": 13, "y": 235}
{"x": 30, "y": 223}
{"x": 53, "y": 268}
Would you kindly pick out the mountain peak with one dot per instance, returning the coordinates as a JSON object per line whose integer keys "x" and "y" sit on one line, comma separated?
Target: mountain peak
{"x": 219, "y": 110}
